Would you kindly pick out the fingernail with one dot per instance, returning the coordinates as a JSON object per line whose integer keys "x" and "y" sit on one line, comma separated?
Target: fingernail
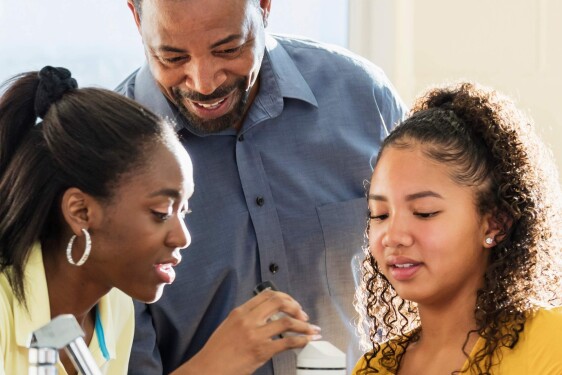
{"x": 306, "y": 315}
{"x": 315, "y": 328}
{"x": 315, "y": 337}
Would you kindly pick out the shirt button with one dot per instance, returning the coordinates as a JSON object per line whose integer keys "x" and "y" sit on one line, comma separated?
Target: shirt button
{"x": 240, "y": 137}
{"x": 273, "y": 268}
{"x": 260, "y": 201}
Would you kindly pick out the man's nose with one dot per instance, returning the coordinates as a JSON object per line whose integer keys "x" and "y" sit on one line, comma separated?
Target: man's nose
{"x": 204, "y": 76}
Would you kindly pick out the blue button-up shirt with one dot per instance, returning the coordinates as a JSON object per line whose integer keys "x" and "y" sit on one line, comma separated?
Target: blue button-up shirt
{"x": 283, "y": 200}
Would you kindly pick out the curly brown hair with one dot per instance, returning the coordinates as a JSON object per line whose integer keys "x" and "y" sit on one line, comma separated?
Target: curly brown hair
{"x": 489, "y": 145}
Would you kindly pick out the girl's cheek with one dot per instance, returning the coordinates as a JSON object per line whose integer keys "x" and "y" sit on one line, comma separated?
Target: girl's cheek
{"x": 375, "y": 247}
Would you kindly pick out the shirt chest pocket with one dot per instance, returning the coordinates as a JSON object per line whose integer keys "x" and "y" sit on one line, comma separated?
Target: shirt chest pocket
{"x": 343, "y": 227}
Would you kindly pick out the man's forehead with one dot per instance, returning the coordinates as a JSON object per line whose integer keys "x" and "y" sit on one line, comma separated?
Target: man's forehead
{"x": 154, "y": 6}
{"x": 156, "y": 2}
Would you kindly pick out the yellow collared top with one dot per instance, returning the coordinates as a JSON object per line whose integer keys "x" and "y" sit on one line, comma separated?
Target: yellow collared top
{"x": 538, "y": 351}
{"x": 115, "y": 321}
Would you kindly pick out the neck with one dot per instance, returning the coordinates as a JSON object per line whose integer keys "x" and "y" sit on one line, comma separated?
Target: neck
{"x": 71, "y": 289}
{"x": 448, "y": 324}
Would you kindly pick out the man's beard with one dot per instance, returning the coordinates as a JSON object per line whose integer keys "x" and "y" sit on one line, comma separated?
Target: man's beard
{"x": 228, "y": 120}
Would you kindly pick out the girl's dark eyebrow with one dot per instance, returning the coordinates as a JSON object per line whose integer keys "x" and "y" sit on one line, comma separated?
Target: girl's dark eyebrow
{"x": 409, "y": 197}
{"x": 423, "y": 194}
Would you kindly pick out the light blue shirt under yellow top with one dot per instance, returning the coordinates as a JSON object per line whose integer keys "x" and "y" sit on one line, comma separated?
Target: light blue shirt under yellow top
{"x": 115, "y": 313}
{"x": 538, "y": 351}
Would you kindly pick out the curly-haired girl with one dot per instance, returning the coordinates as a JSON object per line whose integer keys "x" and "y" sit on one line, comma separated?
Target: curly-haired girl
{"x": 462, "y": 273}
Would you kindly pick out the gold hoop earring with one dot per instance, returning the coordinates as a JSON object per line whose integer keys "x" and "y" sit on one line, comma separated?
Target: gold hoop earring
{"x": 86, "y": 250}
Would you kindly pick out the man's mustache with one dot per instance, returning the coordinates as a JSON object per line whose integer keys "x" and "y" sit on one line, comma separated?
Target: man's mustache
{"x": 220, "y": 92}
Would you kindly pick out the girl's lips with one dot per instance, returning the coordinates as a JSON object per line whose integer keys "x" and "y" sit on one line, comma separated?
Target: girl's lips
{"x": 404, "y": 271}
{"x": 166, "y": 272}
{"x": 402, "y": 268}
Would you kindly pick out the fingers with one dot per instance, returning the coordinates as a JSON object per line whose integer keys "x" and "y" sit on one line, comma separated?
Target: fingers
{"x": 255, "y": 328}
{"x": 288, "y": 342}
{"x": 277, "y": 344}
{"x": 268, "y": 303}
{"x": 287, "y": 327}
{"x": 276, "y": 313}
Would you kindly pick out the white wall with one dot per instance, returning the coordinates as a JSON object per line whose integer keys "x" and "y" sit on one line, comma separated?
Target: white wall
{"x": 512, "y": 45}
{"x": 96, "y": 39}
{"x": 324, "y": 20}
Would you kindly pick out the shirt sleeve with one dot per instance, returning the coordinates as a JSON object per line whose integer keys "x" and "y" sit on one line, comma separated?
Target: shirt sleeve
{"x": 545, "y": 339}
{"x": 4, "y": 329}
{"x": 390, "y": 106}
{"x": 358, "y": 366}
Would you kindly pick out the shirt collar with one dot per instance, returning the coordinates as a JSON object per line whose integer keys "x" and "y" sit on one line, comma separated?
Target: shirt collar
{"x": 107, "y": 331}
{"x": 148, "y": 93}
{"x": 288, "y": 78}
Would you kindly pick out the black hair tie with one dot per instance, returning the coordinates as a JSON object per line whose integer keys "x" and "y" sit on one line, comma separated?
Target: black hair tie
{"x": 53, "y": 83}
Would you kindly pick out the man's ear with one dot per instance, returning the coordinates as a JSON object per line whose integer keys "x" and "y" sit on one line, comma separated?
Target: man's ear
{"x": 497, "y": 227}
{"x": 265, "y": 6}
{"x": 80, "y": 210}
{"x": 136, "y": 13}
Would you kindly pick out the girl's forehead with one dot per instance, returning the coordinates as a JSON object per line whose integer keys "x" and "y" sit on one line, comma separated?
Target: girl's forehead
{"x": 401, "y": 172}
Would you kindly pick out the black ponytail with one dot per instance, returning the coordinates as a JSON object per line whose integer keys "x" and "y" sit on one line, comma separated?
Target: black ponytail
{"x": 88, "y": 138}
{"x": 17, "y": 114}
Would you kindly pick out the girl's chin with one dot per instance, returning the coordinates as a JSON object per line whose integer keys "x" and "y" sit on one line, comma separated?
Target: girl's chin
{"x": 152, "y": 297}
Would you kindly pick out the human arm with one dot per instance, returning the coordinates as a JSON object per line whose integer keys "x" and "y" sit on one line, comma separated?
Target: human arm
{"x": 247, "y": 338}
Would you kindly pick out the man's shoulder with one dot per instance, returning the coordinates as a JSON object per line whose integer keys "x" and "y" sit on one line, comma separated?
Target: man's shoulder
{"x": 296, "y": 42}
{"x": 127, "y": 86}
{"x": 318, "y": 60}
{"x": 314, "y": 51}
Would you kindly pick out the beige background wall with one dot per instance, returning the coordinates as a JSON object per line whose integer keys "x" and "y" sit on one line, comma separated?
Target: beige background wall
{"x": 512, "y": 45}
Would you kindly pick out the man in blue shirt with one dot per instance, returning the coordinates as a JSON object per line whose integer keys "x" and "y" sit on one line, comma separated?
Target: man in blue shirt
{"x": 280, "y": 131}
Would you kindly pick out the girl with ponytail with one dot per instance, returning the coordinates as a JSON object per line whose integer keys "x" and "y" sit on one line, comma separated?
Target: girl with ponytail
{"x": 93, "y": 193}
{"x": 86, "y": 216}
{"x": 462, "y": 273}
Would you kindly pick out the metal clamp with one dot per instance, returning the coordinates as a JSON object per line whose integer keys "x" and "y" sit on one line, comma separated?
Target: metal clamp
{"x": 61, "y": 332}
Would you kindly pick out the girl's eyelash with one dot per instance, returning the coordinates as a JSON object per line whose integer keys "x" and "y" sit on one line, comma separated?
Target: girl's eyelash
{"x": 185, "y": 212}
{"x": 426, "y": 215}
{"x": 161, "y": 215}
{"x": 423, "y": 215}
